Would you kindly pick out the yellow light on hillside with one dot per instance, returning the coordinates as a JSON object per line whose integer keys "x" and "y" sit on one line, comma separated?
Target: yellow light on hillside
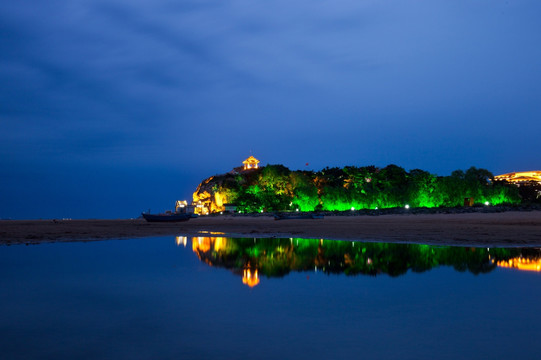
{"x": 520, "y": 177}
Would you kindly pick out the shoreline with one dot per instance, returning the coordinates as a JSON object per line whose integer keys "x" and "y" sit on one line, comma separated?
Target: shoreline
{"x": 500, "y": 229}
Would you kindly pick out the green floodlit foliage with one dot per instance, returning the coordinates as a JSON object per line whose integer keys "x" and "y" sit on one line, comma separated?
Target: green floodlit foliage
{"x": 278, "y": 257}
{"x": 276, "y": 188}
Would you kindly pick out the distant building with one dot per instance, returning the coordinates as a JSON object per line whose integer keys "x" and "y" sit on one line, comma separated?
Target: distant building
{"x": 251, "y": 163}
{"x": 182, "y": 206}
{"x": 520, "y": 177}
{"x": 201, "y": 209}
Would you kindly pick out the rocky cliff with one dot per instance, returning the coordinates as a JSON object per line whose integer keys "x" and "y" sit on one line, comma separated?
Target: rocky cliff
{"x": 215, "y": 191}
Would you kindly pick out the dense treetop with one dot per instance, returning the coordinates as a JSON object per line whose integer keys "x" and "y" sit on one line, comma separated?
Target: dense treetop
{"x": 276, "y": 188}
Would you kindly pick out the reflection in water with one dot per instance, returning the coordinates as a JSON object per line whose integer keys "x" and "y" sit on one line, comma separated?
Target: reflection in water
{"x": 250, "y": 277}
{"x": 277, "y": 257}
{"x": 142, "y": 299}
{"x": 521, "y": 263}
{"x": 182, "y": 240}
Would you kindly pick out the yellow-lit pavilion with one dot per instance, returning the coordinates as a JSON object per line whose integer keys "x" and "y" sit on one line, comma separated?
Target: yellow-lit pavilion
{"x": 251, "y": 163}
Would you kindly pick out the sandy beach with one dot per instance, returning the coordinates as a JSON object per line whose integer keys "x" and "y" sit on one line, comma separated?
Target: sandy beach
{"x": 512, "y": 228}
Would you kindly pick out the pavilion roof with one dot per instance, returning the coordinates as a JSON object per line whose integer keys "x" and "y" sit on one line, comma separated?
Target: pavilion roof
{"x": 251, "y": 160}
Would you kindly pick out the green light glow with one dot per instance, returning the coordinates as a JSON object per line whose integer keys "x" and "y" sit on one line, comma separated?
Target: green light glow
{"x": 276, "y": 188}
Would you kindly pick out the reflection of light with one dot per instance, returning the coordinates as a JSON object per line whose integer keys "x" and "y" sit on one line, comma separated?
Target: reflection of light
{"x": 219, "y": 243}
{"x": 521, "y": 264}
{"x": 249, "y": 278}
{"x": 182, "y": 240}
{"x": 204, "y": 244}
{"x": 201, "y": 244}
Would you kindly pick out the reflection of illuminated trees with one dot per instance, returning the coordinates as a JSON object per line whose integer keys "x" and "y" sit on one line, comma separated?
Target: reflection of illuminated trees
{"x": 278, "y": 257}
{"x": 276, "y": 188}
{"x": 475, "y": 260}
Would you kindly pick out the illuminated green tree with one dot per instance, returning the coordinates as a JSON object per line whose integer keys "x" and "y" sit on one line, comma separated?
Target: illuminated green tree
{"x": 305, "y": 192}
{"x": 276, "y": 188}
{"x": 423, "y": 189}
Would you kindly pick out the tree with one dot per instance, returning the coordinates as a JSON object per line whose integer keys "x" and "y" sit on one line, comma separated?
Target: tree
{"x": 423, "y": 190}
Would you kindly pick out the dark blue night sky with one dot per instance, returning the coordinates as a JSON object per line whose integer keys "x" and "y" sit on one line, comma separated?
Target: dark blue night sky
{"x": 108, "y": 108}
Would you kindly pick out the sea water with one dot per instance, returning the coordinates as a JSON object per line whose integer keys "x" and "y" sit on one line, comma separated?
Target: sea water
{"x": 223, "y": 298}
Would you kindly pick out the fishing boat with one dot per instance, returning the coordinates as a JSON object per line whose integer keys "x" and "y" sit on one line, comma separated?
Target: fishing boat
{"x": 167, "y": 217}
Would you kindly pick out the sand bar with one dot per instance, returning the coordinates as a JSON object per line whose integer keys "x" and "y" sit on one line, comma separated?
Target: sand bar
{"x": 512, "y": 228}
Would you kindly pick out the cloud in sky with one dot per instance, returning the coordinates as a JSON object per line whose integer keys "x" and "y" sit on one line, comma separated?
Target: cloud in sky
{"x": 195, "y": 85}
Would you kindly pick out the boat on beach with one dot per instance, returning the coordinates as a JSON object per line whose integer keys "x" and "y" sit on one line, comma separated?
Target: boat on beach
{"x": 167, "y": 217}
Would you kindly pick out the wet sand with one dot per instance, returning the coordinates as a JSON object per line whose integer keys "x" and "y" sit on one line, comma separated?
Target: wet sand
{"x": 512, "y": 228}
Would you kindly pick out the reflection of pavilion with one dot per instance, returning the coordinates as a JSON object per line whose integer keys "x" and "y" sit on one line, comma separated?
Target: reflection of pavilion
{"x": 521, "y": 263}
{"x": 206, "y": 247}
{"x": 250, "y": 277}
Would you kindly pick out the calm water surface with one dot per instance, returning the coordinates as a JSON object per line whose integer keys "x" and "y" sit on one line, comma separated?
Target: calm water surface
{"x": 222, "y": 298}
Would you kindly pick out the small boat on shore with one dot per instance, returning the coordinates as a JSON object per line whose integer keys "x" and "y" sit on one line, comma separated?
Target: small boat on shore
{"x": 167, "y": 217}
{"x": 295, "y": 217}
